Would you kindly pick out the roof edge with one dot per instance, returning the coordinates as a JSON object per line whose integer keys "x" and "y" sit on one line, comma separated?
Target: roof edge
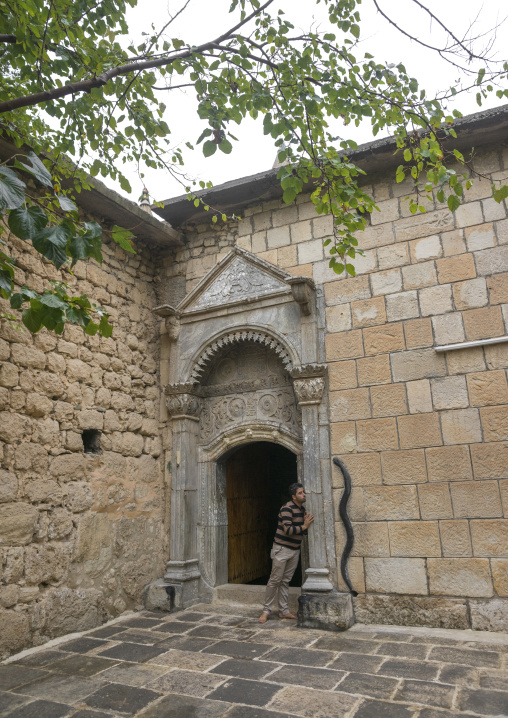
{"x": 373, "y": 157}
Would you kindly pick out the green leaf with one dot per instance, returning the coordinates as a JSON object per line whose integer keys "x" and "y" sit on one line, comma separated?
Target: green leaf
{"x": 25, "y": 223}
{"x": 12, "y": 189}
{"x": 453, "y": 202}
{"x": 38, "y": 170}
{"x": 52, "y": 300}
{"x": 32, "y": 320}
{"x": 226, "y": 147}
{"x": 209, "y": 148}
{"x": 105, "y": 327}
{"x": 501, "y": 193}
{"x": 66, "y": 204}
{"x": 123, "y": 238}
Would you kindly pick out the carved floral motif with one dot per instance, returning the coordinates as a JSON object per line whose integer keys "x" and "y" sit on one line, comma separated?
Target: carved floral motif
{"x": 309, "y": 390}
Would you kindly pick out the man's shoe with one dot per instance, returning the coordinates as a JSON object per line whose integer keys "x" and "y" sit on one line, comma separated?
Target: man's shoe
{"x": 263, "y": 618}
{"x": 287, "y": 615}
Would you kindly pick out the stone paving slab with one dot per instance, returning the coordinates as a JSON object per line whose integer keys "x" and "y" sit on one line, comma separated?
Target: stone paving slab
{"x": 215, "y": 661}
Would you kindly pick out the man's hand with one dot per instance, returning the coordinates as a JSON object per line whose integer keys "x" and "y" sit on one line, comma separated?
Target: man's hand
{"x": 309, "y": 518}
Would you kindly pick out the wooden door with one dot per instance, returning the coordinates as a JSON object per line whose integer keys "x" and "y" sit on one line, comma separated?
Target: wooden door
{"x": 247, "y": 491}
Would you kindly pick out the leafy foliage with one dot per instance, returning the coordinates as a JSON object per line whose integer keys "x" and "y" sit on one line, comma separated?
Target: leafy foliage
{"x": 70, "y": 89}
{"x": 50, "y": 222}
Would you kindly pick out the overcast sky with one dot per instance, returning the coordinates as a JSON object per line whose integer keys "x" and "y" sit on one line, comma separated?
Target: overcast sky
{"x": 205, "y": 19}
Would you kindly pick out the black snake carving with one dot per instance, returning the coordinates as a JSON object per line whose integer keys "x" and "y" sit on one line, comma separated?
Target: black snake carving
{"x": 347, "y": 523}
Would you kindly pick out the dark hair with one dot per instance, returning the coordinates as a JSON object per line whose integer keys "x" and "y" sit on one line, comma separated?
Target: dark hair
{"x": 293, "y": 488}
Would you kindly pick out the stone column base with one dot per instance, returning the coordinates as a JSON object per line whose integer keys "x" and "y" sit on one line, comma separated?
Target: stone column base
{"x": 162, "y": 596}
{"x": 184, "y": 576}
{"x": 327, "y": 612}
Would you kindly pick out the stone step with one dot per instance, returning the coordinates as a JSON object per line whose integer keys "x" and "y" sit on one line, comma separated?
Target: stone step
{"x": 253, "y": 596}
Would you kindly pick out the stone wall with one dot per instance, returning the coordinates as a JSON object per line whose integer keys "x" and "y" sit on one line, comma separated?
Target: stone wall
{"x": 424, "y": 434}
{"x": 80, "y": 533}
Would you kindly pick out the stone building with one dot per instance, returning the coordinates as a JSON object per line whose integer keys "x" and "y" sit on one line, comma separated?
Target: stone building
{"x": 240, "y": 362}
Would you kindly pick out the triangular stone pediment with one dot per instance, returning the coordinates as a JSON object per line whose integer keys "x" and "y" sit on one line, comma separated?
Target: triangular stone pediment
{"x": 239, "y": 277}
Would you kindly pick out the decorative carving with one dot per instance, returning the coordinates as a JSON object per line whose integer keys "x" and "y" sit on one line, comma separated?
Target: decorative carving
{"x": 308, "y": 370}
{"x": 309, "y": 390}
{"x": 182, "y": 400}
{"x": 239, "y": 337}
{"x": 302, "y": 290}
{"x": 223, "y": 412}
{"x": 241, "y": 280}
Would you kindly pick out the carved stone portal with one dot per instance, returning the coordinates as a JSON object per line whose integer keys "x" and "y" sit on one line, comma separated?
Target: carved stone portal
{"x": 246, "y": 364}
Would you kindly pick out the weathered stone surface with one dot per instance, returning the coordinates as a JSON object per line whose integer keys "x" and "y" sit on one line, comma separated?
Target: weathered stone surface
{"x": 396, "y": 575}
{"x": 449, "y": 392}
{"x": 448, "y": 463}
{"x": 414, "y": 538}
{"x": 495, "y": 423}
{"x": 490, "y": 538}
{"x": 403, "y": 467}
{"x": 419, "y": 430}
{"x": 94, "y": 534}
{"x": 42, "y": 490}
{"x": 371, "y": 539}
{"x": 448, "y": 328}
{"x": 461, "y": 426}
{"x": 411, "y": 611}
{"x": 377, "y": 434}
{"x": 483, "y": 323}
{"x": 418, "y": 396}
{"x": 46, "y": 563}
{"x": 418, "y": 333}
{"x": 417, "y": 364}
{"x": 374, "y": 370}
{"x": 365, "y": 470}
{"x": 12, "y": 426}
{"x": 8, "y": 486}
{"x": 80, "y": 496}
{"x": 476, "y": 499}
{"x": 17, "y": 523}
{"x": 490, "y": 461}
{"x": 435, "y": 501}
{"x": 489, "y": 615}
{"x": 455, "y": 539}
{"x": 388, "y": 400}
{"x": 15, "y": 633}
{"x": 68, "y": 467}
{"x": 390, "y": 503}
{"x": 500, "y": 575}
{"x": 64, "y": 610}
{"x": 330, "y": 612}
{"x": 459, "y": 577}
{"x": 387, "y": 338}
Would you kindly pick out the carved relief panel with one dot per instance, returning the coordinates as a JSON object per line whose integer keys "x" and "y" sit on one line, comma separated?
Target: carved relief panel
{"x": 247, "y": 384}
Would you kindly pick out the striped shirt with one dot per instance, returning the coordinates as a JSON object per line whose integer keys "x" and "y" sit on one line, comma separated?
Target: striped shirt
{"x": 290, "y": 531}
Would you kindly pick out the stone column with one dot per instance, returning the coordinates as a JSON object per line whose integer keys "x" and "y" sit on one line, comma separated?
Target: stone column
{"x": 184, "y": 404}
{"x": 321, "y": 605}
{"x": 309, "y": 384}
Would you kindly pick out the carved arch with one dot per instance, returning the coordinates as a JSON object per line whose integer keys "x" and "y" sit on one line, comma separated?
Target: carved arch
{"x": 239, "y": 336}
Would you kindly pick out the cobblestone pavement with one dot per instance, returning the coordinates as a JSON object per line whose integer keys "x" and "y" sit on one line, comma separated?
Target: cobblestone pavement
{"x": 206, "y": 662}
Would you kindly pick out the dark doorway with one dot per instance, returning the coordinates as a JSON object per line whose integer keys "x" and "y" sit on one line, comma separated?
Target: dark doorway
{"x": 257, "y": 480}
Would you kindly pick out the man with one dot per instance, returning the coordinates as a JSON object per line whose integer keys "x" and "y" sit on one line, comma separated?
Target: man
{"x": 292, "y": 525}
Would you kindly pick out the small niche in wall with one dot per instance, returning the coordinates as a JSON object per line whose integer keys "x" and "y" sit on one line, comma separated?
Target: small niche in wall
{"x": 91, "y": 441}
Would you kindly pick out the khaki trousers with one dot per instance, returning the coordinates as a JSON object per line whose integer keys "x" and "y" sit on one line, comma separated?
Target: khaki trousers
{"x": 284, "y": 563}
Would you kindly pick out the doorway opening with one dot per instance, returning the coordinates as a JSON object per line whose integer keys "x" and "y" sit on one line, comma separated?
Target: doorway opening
{"x": 257, "y": 479}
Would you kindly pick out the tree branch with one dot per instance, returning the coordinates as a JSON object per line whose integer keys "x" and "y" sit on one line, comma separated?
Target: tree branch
{"x": 8, "y": 38}
{"x": 94, "y": 82}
